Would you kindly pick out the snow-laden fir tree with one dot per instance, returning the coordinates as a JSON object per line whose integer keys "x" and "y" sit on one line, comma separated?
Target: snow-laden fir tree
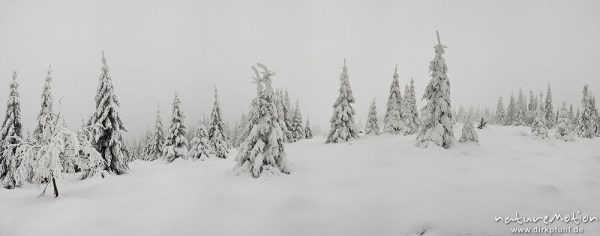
{"x": 288, "y": 115}
{"x": 263, "y": 149}
{"x": 469, "y": 135}
{"x": 107, "y": 126}
{"x": 563, "y": 127}
{"x": 11, "y": 136}
{"x": 308, "y": 130}
{"x": 572, "y": 119}
{"x": 500, "y": 116}
{"x": 63, "y": 152}
{"x": 147, "y": 147}
{"x": 585, "y": 126}
{"x": 46, "y": 115}
{"x": 436, "y": 116}
{"x": 200, "y": 146}
{"x": 342, "y": 127}
{"x": 176, "y": 144}
{"x": 297, "y": 124}
{"x": 511, "y": 111}
{"x": 281, "y": 112}
{"x": 393, "y": 121}
{"x": 531, "y": 107}
{"x": 521, "y": 109}
{"x": 372, "y": 126}
{"x": 539, "y": 128}
{"x": 410, "y": 113}
{"x": 216, "y": 136}
{"x": 157, "y": 141}
{"x": 596, "y": 115}
{"x": 550, "y": 117}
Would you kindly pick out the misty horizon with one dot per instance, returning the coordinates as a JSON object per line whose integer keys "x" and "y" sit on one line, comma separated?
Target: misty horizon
{"x": 157, "y": 48}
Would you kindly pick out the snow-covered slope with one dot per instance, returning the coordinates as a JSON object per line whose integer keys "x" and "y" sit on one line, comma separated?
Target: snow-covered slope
{"x": 376, "y": 185}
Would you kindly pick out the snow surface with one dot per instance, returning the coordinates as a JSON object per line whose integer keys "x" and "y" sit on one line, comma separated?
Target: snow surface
{"x": 376, "y": 185}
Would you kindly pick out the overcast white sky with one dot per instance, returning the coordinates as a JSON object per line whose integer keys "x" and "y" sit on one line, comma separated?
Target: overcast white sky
{"x": 155, "y": 48}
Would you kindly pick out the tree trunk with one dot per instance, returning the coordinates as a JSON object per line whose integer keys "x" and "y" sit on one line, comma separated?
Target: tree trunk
{"x": 55, "y": 188}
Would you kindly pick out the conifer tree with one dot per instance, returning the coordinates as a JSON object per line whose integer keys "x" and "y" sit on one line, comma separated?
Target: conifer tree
{"x": 393, "y": 121}
{"x": 297, "y": 129}
{"x": 46, "y": 115}
{"x": 585, "y": 127}
{"x": 521, "y": 112}
{"x": 372, "y": 127}
{"x": 157, "y": 140}
{"x": 11, "y": 136}
{"x": 342, "y": 121}
{"x": 531, "y": 108}
{"x": 200, "y": 146}
{"x": 308, "y": 130}
{"x": 468, "y": 132}
{"x": 410, "y": 113}
{"x": 288, "y": 112}
{"x": 500, "y": 116}
{"x": 263, "y": 149}
{"x": 176, "y": 144}
{"x": 550, "y": 117}
{"x": 511, "y": 112}
{"x": 436, "y": 116}
{"x": 216, "y": 137}
{"x": 563, "y": 127}
{"x": 539, "y": 128}
{"x": 281, "y": 113}
{"x": 572, "y": 118}
{"x": 107, "y": 126}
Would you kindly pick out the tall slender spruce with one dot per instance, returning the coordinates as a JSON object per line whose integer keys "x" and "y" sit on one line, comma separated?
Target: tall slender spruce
{"x": 342, "y": 124}
{"x": 436, "y": 115}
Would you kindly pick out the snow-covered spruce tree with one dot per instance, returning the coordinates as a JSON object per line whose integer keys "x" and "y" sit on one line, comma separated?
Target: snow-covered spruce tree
{"x": 550, "y": 117}
{"x": 539, "y": 128}
{"x": 281, "y": 113}
{"x": 297, "y": 124}
{"x": 107, "y": 126}
{"x": 308, "y": 130}
{"x": 572, "y": 118}
{"x": 521, "y": 109}
{"x": 342, "y": 121}
{"x": 176, "y": 144}
{"x": 500, "y": 116}
{"x": 393, "y": 121}
{"x": 288, "y": 112}
{"x": 263, "y": 149}
{"x": 585, "y": 126}
{"x": 11, "y": 136}
{"x": 216, "y": 136}
{"x": 147, "y": 147}
{"x": 410, "y": 114}
{"x": 157, "y": 141}
{"x": 511, "y": 111}
{"x": 563, "y": 127}
{"x": 45, "y": 162}
{"x": 596, "y": 115}
{"x": 436, "y": 118}
{"x": 200, "y": 146}
{"x": 468, "y": 132}
{"x": 372, "y": 126}
{"x": 531, "y": 107}
{"x": 46, "y": 115}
